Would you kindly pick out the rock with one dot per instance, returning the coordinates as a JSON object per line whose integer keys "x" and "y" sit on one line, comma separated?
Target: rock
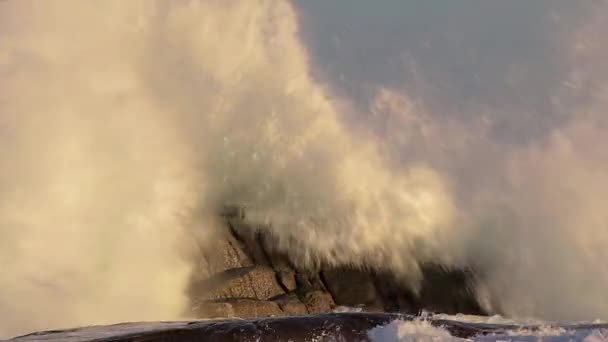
{"x": 308, "y": 281}
{"x": 351, "y": 287}
{"x": 283, "y": 305}
{"x": 278, "y": 258}
{"x": 249, "y": 236}
{"x": 318, "y": 302}
{"x": 232, "y": 212}
{"x": 287, "y": 279}
{"x": 373, "y": 307}
{"x": 241, "y": 308}
{"x": 249, "y": 264}
{"x": 448, "y": 291}
{"x": 396, "y": 295}
{"x": 215, "y": 310}
{"x": 291, "y": 305}
{"x": 227, "y": 254}
{"x": 256, "y": 282}
{"x": 251, "y": 308}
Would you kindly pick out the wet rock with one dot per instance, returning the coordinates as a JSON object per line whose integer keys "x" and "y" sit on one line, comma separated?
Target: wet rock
{"x": 395, "y": 294}
{"x": 208, "y": 309}
{"x": 351, "y": 287}
{"x": 318, "y": 302}
{"x": 241, "y": 308}
{"x": 448, "y": 291}
{"x": 308, "y": 281}
{"x": 250, "y": 239}
{"x": 256, "y": 282}
{"x": 226, "y": 254}
{"x": 232, "y": 212}
{"x": 373, "y": 307}
{"x": 291, "y": 305}
{"x": 248, "y": 263}
{"x": 279, "y": 260}
{"x": 251, "y": 308}
{"x": 287, "y": 279}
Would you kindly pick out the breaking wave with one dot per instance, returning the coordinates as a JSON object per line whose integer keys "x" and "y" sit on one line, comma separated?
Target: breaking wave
{"x": 423, "y": 331}
{"x": 124, "y": 126}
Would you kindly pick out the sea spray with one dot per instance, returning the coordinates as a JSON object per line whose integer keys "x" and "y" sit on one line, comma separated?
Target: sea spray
{"x": 126, "y": 126}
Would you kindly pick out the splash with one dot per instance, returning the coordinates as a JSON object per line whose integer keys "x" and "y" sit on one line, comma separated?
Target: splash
{"x": 547, "y": 207}
{"x": 400, "y": 331}
{"x": 532, "y": 222}
{"x": 124, "y": 126}
{"x": 94, "y": 178}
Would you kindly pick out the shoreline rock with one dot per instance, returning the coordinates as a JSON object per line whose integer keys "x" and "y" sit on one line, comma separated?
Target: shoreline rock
{"x": 247, "y": 269}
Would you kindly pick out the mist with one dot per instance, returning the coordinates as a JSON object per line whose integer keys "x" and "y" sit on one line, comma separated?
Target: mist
{"x": 506, "y": 100}
{"x": 125, "y": 126}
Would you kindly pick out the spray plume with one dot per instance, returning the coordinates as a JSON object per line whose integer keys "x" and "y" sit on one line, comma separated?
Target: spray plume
{"x": 124, "y": 126}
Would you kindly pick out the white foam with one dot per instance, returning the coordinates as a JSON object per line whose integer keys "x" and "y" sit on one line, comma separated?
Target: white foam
{"x": 406, "y": 331}
{"x": 341, "y": 309}
{"x": 422, "y": 331}
{"x": 494, "y": 319}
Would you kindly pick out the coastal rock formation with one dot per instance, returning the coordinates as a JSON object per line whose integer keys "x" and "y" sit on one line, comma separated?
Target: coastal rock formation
{"x": 247, "y": 277}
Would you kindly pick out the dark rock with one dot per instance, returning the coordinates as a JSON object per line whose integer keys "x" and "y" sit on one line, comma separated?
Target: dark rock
{"x": 373, "y": 307}
{"x": 351, "y": 287}
{"x": 278, "y": 258}
{"x": 250, "y": 239}
{"x": 445, "y": 291}
{"x": 308, "y": 281}
{"x": 448, "y": 291}
{"x": 233, "y": 212}
{"x": 396, "y": 295}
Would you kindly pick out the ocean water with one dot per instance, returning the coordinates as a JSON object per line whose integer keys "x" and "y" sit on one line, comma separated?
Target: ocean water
{"x": 342, "y": 327}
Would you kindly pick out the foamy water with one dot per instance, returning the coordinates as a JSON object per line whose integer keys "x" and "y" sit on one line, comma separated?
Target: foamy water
{"x": 423, "y": 331}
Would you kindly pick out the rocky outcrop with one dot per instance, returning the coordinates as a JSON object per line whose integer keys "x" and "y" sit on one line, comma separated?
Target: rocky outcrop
{"x": 291, "y": 305}
{"x": 256, "y": 282}
{"x": 351, "y": 287}
{"x": 246, "y": 276}
{"x": 318, "y": 302}
{"x": 242, "y": 308}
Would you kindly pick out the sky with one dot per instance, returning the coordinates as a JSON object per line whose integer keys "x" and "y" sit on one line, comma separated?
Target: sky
{"x": 456, "y": 56}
